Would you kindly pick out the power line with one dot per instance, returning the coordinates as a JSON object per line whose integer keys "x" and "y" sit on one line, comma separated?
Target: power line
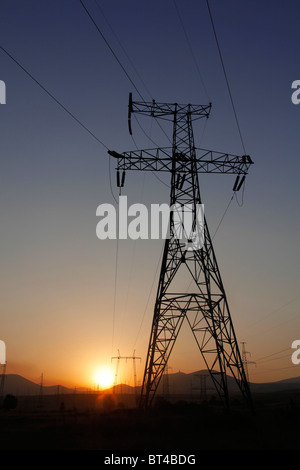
{"x": 154, "y": 278}
{"x": 123, "y": 49}
{"x": 138, "y": 122}
{"x": 201, "y": 78}
{"x": 110, "y": 182}
{"x": 132, "y": 82}
{"x": 275, "y": 310}
{"x": 135, "y": 87}
{"x": 93, "y": 135}
{"x": 111, "y": 49}
{"x": 63, "y": 107}
{"x": 222, "y": 218}
{"x": 267, "y": 358}
{"x": 142, "y": 129}
{"x": 271, "y": 371}
{"x": 230, "y": 94}
{"x": 225, "y": 74}
{"x": 115, "y": 294}
{"x": 219, "y": 224}
{"x": 119, "y": 62}
{"x": 274, "y": 354}
{"x": 53, "y": 97}
{"x": 190, "y": 48}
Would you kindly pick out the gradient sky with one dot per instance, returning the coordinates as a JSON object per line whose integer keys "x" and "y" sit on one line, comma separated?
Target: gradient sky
{"x": 59, "y": 314}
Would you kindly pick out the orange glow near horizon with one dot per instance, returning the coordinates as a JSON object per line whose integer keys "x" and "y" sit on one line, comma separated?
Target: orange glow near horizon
{"x": 103, "y": 378}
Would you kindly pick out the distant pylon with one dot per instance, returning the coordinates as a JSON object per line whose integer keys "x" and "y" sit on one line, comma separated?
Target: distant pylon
{"x": 203, "y": 385}
{"x": 40, "y": 402}
{"x": 166, "y": 382}
{"x": 245, "y": 360}
{"x": 119, "y": 357}
{"x": 203, "y": 389}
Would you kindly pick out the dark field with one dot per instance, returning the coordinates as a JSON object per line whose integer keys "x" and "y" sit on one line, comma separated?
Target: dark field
{"x": 93, "y": 422}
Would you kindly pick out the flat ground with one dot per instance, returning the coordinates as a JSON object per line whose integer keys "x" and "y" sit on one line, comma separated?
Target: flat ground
{"x": 99, "y": 423}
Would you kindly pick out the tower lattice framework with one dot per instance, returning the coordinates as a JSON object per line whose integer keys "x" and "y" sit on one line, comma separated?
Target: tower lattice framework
{"x": 202, "y": 303}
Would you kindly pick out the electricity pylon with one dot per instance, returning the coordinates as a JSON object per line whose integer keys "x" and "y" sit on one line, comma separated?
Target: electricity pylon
{"x": 245, "y": 360}
{"x": 203, "y": 304}
{"x": 119, "y": 357}
{"x": 40, "y": 402}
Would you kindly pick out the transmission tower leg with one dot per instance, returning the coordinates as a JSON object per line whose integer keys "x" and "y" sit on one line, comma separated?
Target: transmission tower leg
{"x": 204, "y": 304}
{"x": 206, "y": 311}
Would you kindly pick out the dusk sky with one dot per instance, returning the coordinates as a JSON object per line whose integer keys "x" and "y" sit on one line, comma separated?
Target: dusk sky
{"x": 66, "y": 305}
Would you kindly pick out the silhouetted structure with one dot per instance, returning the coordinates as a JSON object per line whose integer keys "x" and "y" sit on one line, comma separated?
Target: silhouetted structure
{"x": 203, "y": 304}
{"x": 133, "y": 358}
{"x": 245, "y": 360}
{"x": 40, "y": 400}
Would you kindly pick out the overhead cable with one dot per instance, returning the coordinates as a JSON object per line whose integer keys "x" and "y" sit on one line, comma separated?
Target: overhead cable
{"x": 119, "y": 62}
{"x": 190, "y": 48}
{"x": 225, "y": 74}
{"x": 53, "y": 97}
{"x": 111, "y": 49}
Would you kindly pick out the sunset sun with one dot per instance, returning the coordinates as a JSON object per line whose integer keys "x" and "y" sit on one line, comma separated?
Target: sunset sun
{"x": 104, "y": 378}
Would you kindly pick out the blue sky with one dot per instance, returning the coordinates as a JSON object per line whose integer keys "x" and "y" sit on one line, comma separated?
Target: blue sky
{"x": 57, "y": 279}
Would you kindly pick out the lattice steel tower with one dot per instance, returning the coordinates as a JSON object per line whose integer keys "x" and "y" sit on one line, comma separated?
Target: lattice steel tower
{"x": 203, "y": 303}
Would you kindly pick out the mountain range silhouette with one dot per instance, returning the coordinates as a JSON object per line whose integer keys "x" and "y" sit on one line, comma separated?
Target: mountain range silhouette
{"x": 178, "y": 383}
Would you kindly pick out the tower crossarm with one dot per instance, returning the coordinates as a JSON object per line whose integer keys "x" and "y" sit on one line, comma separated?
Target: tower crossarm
{"x": 167, "y": 110}
{"x": 161, "y": 159}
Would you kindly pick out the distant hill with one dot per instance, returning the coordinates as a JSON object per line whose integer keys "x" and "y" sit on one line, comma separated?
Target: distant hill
{"x": 196, "y": 383}
{"x": 17, "y": 385}
{"x": 179, "y": 383}
{"x": 123, "y": 388}
{"x": 191, "y": 384}
{"x": 280, "y": 386}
